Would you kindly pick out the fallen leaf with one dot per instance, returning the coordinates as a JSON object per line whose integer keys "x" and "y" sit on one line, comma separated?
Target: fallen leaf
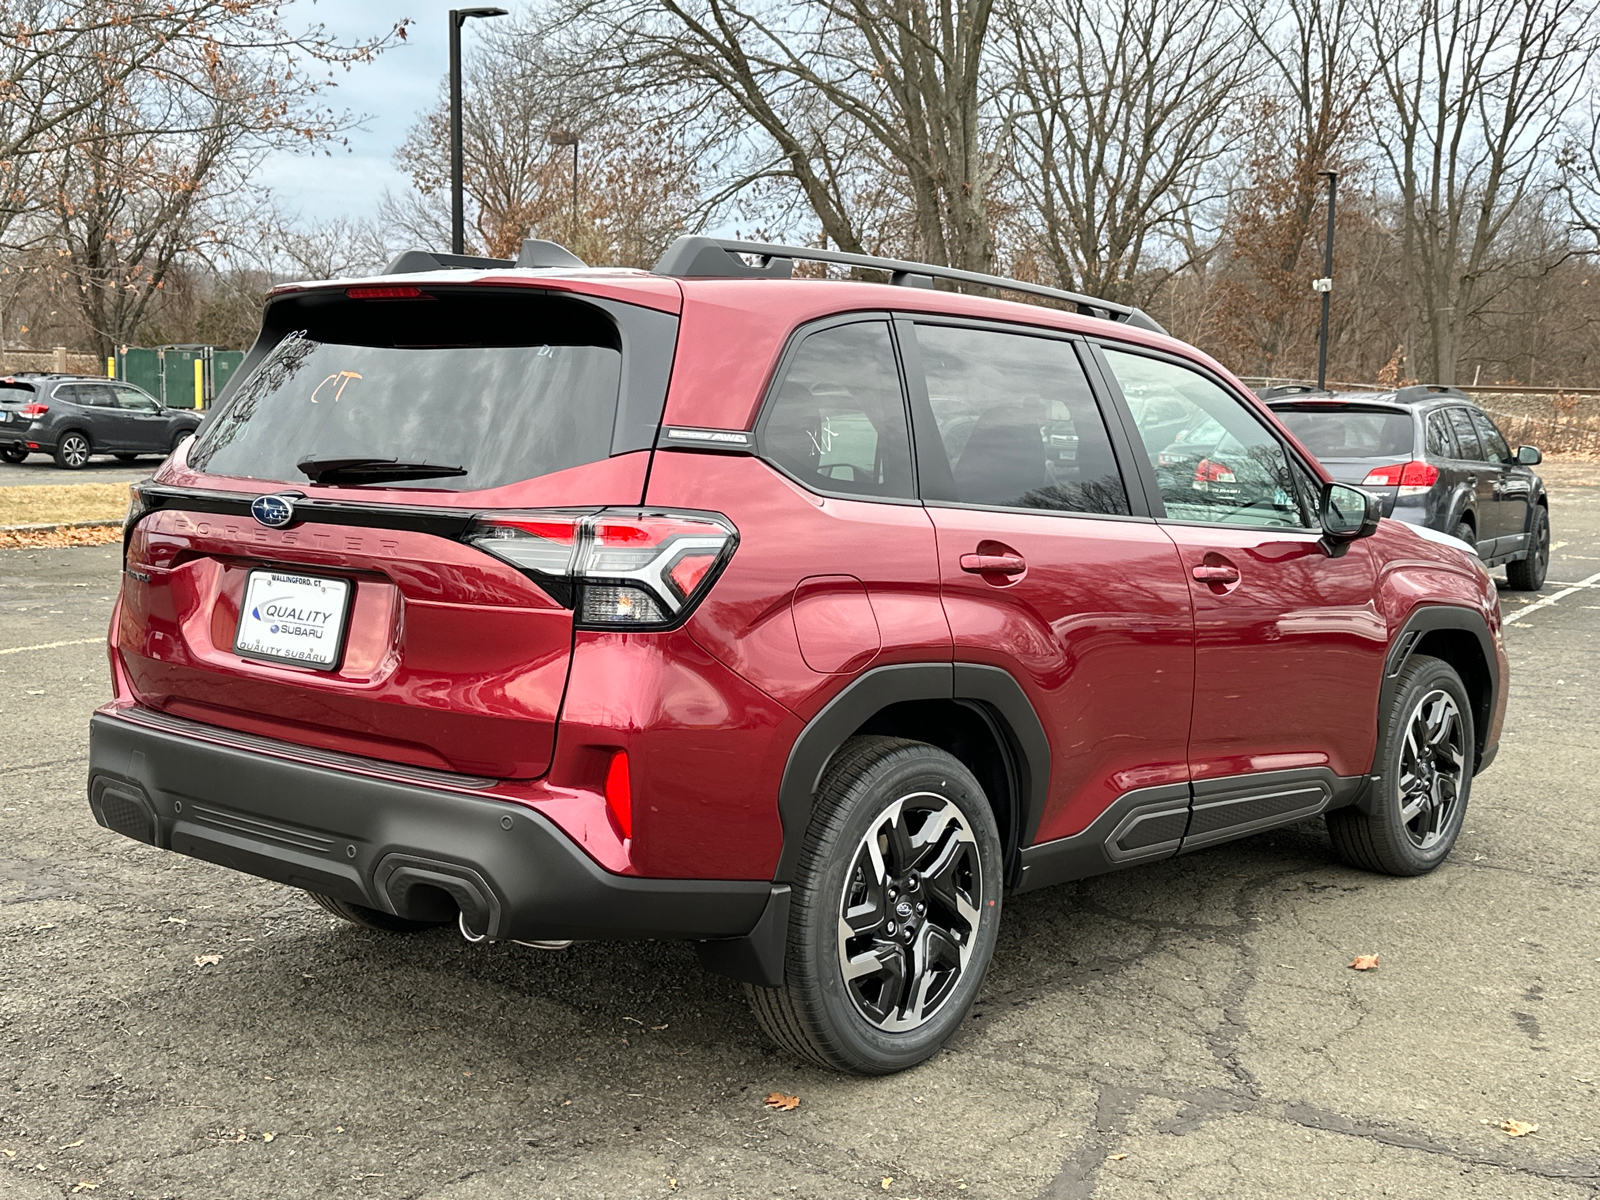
{"x": 887, "y": 1180}
{"x": 672, "y": 1183}
{"x": 71, "y": 1145}
{"x": 267, "y": 1137}
{"x": 1365, "y": 962}
{"x": 1520, "y": 1128}
{"x": 83, "y": 1185}
{"x": 1116, "y": 1157}
{"x": 9, "y": 1153}
{"x": 781, "y": 1103}
{"x": 207, "y": 960}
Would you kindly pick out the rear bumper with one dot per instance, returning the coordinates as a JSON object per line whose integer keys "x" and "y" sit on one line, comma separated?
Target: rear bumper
{"x": 403, "y": 848}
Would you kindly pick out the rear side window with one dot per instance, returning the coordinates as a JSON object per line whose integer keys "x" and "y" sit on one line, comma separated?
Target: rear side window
{"x": 1018, "y": 422}
{"x": 1440, "y": 443}
{"x": 1466, "y": 436}
{"x": 1350, "y": 432}
{"x": 838, "y": 421}
{"x": 90, "y": 395}
{"x": 505, "y": 386}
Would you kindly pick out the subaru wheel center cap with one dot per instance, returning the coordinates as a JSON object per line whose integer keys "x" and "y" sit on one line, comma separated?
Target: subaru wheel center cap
{"x": 272, "y": 511}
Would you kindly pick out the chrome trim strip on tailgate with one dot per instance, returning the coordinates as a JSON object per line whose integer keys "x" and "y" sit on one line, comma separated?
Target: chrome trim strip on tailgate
{"x": 332, "y": 759}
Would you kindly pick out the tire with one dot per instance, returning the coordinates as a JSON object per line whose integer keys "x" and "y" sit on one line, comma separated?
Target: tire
{"x": 1434, "y": 784}
{"x": 1527, "y": 574}
{"x": 14, "y": 454}
{"x": 72, "y": 451}
{"x": 879, "y": 1021}
{"x": 178, "y": 439}
{"x": 1466, "y": 533}
{"x": 372, "y": 918}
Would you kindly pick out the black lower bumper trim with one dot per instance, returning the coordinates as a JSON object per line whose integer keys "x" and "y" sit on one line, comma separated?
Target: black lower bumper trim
{"x": 397, "y": 847}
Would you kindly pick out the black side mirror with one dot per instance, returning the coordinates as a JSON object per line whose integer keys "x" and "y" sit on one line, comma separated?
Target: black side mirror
{"x": 1529, "y": 456}
{"x": 1348, "y": 514}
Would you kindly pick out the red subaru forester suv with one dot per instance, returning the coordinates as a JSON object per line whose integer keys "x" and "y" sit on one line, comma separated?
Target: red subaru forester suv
{"x": 804, "y": 619}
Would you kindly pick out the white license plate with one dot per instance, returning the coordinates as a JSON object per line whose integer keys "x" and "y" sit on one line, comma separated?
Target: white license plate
{"x": 293, "y": 618}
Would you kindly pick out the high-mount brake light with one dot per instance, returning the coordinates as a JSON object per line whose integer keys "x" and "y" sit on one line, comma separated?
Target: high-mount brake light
{"x": 387, "y": 292}
{"x": 1413, "y": 478}
{"x": 616, "y": 568}
{"x": 33, "y": 410}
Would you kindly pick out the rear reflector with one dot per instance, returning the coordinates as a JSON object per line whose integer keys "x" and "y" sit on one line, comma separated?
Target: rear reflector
{"x": 619, "y": 793}
{"x": 1413, "y": 478}
{"x": 618, "y": 569}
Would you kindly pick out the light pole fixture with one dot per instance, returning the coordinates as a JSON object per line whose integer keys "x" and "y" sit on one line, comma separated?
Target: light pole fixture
{"x": 458, "y": 18}
{"x": 565, "y": 137}
{"x": 1325, "y": 284}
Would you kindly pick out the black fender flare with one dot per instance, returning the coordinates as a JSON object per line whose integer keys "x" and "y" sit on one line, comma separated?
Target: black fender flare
{"x": 1011, "y": 713}
{"x": 1423, "y": 620}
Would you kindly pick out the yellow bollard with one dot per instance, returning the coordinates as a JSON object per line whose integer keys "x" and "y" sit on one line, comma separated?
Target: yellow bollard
{"x": 111, "y": 368}
{"x": 199, "y": 383}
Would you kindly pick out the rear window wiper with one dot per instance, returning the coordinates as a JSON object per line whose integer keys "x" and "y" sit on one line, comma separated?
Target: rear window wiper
{"x": 371, "y": 470}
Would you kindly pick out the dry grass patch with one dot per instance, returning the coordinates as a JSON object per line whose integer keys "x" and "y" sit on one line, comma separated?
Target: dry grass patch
{"x": 55, "y": 504}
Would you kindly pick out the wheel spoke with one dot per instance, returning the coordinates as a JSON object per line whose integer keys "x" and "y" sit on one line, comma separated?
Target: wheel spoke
{"x": 1413, "y": 807}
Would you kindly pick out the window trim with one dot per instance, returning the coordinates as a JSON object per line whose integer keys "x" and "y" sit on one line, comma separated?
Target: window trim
{"x": 929, "y": 448}
{"x": 1250, "y": 405}
{"x": 797, "y": 338}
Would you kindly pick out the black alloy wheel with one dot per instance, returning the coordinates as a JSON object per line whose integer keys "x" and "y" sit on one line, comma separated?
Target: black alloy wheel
{"x": 1412, "y": 814}
{"x": 72, "y": 451}
{"x": 895, "y": 906}
{"x": 1528, "y": 574}
{"x": 909, "y": 915}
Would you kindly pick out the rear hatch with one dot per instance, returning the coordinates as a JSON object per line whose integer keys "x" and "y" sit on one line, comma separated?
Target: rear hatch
{"x": 14, "y": 394}
{"x": 351, "y": 613}
{"x": 1352, "y": 440}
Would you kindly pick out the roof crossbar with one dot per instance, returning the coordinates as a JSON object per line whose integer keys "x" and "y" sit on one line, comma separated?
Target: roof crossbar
{"x": 715, "y": 258}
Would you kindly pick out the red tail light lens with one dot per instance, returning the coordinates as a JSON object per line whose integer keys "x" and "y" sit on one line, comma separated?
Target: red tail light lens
{"x": 1412, "y": 477}
{"x": 1208, "y": 472}
{"x": 619, "y": 569}
{"x": 619, "y": 793}
{"x": 34, "y": 410}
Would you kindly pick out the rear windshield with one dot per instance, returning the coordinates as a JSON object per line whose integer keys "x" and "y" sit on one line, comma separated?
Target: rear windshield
{"x": 1350, "y": 432}
{"x": 15, "y": 389}
{"x": 504, "y": 386}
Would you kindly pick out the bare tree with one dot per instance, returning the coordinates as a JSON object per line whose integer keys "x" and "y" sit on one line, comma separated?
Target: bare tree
{"x": 840, "y": 90}
{"x": 1476, "y": 91}
{"x": 1118, "y": 108}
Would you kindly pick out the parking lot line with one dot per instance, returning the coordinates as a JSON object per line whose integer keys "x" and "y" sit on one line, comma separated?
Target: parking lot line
{"x": 1554, "y": 596}
{"x": 52, "y": 645}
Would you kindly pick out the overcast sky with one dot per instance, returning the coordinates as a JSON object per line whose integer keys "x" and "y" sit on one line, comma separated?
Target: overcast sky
{"x": 391, "y": 91}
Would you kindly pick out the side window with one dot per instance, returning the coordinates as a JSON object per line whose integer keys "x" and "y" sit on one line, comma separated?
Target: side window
{"x": 132, "y": 398}
{"x": 1018, "y": 422}
{"x": 838, "y": 422}
{"x": 95, "y": 395}
{"x": 1439, "y": 444}
{"x": 1214, "y": 460}
{"x": 1493, "y": 444}
{"x": 1466, "y": 437}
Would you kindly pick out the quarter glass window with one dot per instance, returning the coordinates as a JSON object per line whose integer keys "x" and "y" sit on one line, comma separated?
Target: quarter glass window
{"x": 1214, "y": 460}
{"x": 838, "y": 423}
{"x": 1018, "y": 422}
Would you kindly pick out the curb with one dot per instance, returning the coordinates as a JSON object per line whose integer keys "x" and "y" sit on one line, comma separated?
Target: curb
{"x": 113, "y": 524}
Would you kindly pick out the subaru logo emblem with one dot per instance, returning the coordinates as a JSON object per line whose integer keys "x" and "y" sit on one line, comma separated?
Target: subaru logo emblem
{"x": 272, "y": 511}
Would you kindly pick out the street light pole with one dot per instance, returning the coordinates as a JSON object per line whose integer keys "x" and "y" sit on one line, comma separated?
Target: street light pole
{"x": 458, "y": 18}
{"x": 565, "y": 137}
{"x": 1325, "y": 284}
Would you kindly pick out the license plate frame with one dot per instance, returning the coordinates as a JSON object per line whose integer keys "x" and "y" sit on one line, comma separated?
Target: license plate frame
{"x": 302, "y": 593}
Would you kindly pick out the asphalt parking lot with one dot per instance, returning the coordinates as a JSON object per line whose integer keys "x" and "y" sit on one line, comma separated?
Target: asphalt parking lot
{"x": 1189, "y": 1029}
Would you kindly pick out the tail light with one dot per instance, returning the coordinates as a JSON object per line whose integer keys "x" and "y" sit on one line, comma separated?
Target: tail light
{"x": 34, "y": 410}
{"x": 1207, "y": 472}
{"x": 616, "y": 568}
{"x": 1413, "y": 478}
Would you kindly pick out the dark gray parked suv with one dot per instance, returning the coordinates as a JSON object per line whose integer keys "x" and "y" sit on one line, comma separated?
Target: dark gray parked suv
{"x": 72, "y": 417}
{"x": 1435, "y": 459}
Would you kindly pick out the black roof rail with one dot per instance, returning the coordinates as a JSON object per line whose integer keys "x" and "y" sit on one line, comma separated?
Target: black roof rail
{"x": 1418, "y": 392}
{"x": 716, "y": 258}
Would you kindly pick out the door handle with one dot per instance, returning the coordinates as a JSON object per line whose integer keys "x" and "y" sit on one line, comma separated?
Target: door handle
{"x": 996, "y": 564}
{"x": 1217, "y": 574}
